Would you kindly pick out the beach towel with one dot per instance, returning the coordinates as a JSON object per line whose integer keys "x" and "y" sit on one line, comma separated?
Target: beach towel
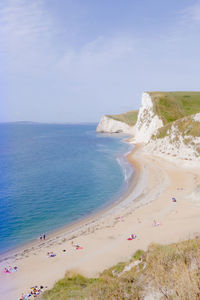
{"x": 10, "y": 270}
{"x": 6, "y": 272}
{"x": 156, "y": 224}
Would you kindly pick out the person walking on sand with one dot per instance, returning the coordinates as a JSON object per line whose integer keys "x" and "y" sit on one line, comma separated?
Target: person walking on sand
{"x": 40, "y": 237}
{"x": 44, "y": 236}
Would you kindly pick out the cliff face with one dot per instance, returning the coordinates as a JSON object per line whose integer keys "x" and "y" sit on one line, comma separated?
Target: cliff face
{"x": 110, "y": 125}
{"x": 181, "y": 139}
{"x": 148, "y": 122}
{"x": 168, "y": 123}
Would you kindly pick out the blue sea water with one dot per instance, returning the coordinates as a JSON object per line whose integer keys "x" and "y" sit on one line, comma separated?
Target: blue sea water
{"x": 52, "y": 175}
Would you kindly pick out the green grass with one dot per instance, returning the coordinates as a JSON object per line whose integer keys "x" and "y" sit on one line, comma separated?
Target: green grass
{"x": 171, "y": 106}
{"x": 129, "y": 117}
{"x": 189, "y": 127}
{"x": 186, "y": 127}
{"x": 72, "y": 286}
{"x": 175, "y": 108}
{"x": 172, "y": 270}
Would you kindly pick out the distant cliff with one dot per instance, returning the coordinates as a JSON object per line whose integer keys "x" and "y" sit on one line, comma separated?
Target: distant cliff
{"x": 168, "y": 123}
{"x": 118, "y": 123}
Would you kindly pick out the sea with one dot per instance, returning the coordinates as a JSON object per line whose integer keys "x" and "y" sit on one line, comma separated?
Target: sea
{"x": 53, "y": 175}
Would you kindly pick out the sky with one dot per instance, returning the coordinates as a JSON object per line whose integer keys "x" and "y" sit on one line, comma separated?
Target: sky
{"x": 76, "y": 60}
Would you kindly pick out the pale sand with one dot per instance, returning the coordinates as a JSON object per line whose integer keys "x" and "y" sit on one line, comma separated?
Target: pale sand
{"x": 104, "y": 236}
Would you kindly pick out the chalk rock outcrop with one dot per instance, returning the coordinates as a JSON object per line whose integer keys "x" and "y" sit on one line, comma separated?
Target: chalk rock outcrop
{"x": 179, "y": 138}
{"x": 148, "y": 122}
{"x": 110, "y": 125}
{"x": 179, "y": 141}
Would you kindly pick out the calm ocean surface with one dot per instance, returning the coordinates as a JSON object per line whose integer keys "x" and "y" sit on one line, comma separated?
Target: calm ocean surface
{"x": 52, "y": 175}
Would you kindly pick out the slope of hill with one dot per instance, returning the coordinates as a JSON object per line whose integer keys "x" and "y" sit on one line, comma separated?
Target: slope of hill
{"x": 180, "y": 139}
{"x": 171, "y": 106}
{"x": 162, "y": 272}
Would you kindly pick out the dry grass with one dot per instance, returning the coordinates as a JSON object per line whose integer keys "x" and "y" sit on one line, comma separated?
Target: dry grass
{"x": 172, "y": 271}
{"x": 175, "y": 270}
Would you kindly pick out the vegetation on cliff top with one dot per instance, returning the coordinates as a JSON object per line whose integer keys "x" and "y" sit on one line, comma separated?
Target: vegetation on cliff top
{"x": 171, "y": 106}
{"x": 186, "y": 126}
{"x": 129, "y": 117}
{"x": 170, "y": 272}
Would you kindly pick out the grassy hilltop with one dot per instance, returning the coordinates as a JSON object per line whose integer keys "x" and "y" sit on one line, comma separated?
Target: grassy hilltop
{"x": 177, "y": 109}
{"x": 129, "y": 117}
{"x": 171, "y": 106}
{"x": 171, "y": 271}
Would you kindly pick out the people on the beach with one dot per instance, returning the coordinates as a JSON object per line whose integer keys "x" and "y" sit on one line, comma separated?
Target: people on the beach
{"x": 6, "y": 270}
{"x": 51, "y": 254}
{"x": 132, "y": 237}
{"x": 10, "y": 269}
{"x": 76, "y": 246}
{"x": 173, "y": 199}
{"x": 155, "y": 223}
{"x": 22, "y": 297}
{"x": 42, "y": 236}
{"x": 35, "y": 291}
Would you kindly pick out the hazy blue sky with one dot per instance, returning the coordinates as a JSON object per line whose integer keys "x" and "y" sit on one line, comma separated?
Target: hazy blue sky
{"x": 75, "y": 60}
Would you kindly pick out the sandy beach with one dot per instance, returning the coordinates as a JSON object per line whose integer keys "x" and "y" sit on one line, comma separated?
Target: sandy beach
{"x": 104, "y": 235}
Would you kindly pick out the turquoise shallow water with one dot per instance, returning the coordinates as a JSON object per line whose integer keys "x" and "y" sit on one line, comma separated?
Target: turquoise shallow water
{"x": 52, "y": 175}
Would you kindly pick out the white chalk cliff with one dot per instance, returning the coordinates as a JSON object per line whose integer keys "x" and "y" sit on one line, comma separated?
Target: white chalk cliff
{"x": 175, "y": 143}
{"x": 147, "y": 122}
{"x": 109, "y": 125}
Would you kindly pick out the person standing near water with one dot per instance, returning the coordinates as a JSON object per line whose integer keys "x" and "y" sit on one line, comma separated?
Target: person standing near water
{"x": 44, "y": 236}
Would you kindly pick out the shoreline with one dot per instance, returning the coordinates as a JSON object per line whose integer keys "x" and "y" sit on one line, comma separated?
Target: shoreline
{"x": 71, "y": 228}
{"x": 104, "y": 237}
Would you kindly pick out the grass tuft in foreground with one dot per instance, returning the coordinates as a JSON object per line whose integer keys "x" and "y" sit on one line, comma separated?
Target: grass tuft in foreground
{"x": 162, "y": 272}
